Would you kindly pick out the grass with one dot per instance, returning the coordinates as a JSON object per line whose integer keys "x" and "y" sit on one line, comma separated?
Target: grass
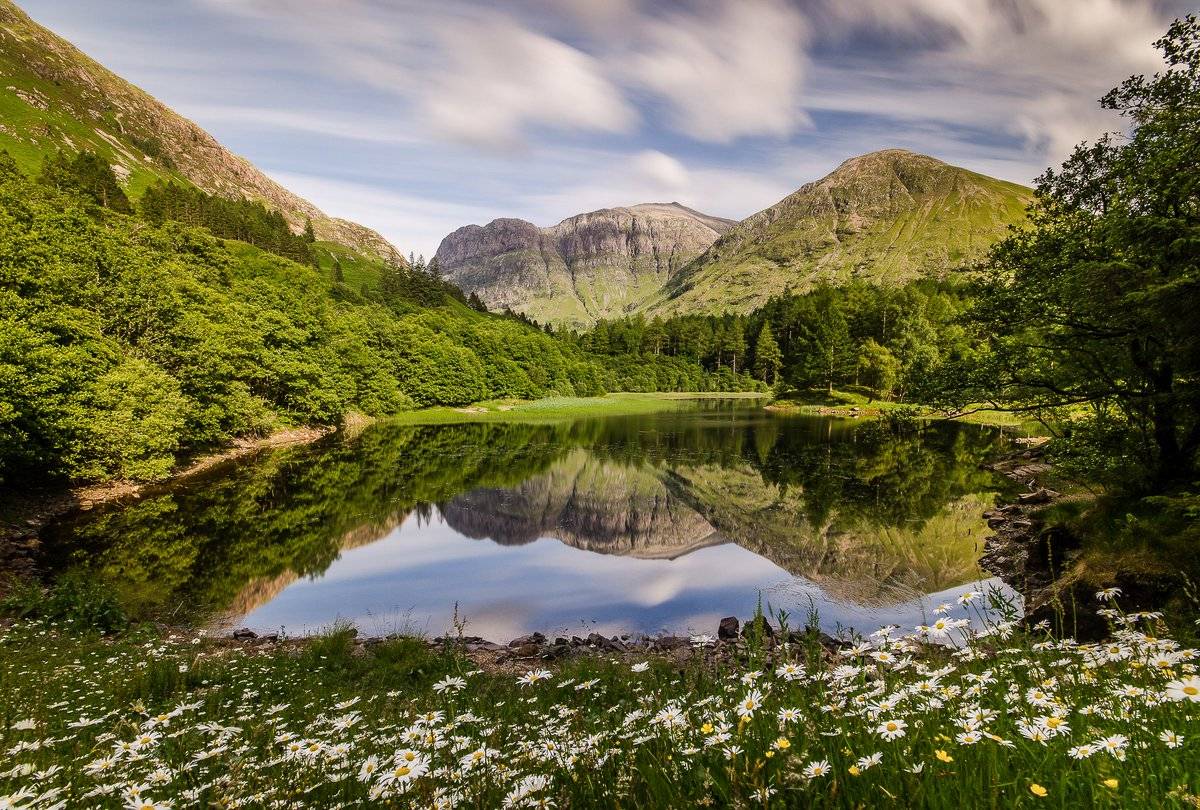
{"x": 841, "y": 402}
{"x": 995, "y": 719}
{"x": 551, "y": 409}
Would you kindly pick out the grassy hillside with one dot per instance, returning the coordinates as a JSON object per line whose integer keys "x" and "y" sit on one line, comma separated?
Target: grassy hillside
{"x": 53, "y": 97}
{"x": 888, "y": 217}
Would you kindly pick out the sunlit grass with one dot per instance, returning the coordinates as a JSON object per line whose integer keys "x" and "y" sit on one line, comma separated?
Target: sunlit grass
{"x": 937, "y": 718}
{"x": 555, "y": 408}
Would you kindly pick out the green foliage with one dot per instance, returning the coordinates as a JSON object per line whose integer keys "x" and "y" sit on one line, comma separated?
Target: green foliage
{"x": 239, "y": 219}
{"x": 79, "y": 601}
{"x": 86, "y": 174}
{"x": 124, "y": 345}
{"x": 891, "y": 339}
{"x": 768, "y": 359}
{"x": 1095, "y": 305}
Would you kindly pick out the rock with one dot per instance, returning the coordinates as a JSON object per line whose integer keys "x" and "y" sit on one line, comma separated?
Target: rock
{"x": 560, "y": 642}
{"x": 755, "y": 624}
{"x": 526, "y": 650}
{"x": 532, "y": 638}
{"x": 244, "y": 634}
{"x": 1042, "y": 495}
{"x": 621, "y": 251}
{"x": 727, "y": 630}
{"x": 269, "y": 637}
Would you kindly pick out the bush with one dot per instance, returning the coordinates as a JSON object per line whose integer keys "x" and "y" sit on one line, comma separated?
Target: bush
{"x": 75, "y": 600}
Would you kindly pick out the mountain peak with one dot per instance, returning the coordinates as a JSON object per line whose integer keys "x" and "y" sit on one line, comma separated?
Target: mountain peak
{"x": 888, "y": 217}
{"x": 598, "y": 264}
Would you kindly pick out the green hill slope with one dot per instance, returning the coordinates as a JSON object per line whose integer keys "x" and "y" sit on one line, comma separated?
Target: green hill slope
{"x": 53, "y": 97}
{"x": 888, "y": 217}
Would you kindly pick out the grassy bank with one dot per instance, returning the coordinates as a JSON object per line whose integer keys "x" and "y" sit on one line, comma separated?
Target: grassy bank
{"x": 996, "y": 719}
{"x": 555, "y": 408}
{"x": 859, "y": 403}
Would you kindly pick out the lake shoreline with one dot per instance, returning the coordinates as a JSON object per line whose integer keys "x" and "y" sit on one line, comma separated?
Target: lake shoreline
{"x": 33, "y": 510}
{"x": 28, "y": 512}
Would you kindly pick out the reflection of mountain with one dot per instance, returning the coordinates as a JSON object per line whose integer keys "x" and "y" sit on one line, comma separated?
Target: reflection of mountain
{"x": 588, "y": 504}
{"x": 648, "y": 512}
{"x": 849, "y": 556}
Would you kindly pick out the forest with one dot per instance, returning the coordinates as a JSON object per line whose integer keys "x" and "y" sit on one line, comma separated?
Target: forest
{"x": 131, "y": 338}
{"x": 889, "y": 340}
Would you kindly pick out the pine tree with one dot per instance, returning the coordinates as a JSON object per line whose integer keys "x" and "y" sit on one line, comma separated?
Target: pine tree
{"x": 768, "y": 359}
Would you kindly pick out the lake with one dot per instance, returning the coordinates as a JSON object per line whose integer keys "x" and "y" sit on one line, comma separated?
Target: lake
{"x": 622, "y": 524}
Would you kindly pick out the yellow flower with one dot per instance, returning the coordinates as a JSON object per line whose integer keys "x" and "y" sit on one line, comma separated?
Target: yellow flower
{"x": 707, "y": 728}
{"x": 1111, "y": 784}
{"x": 1037, "y": 790}
{"x": 783, "y": 744}
{"x": 770, "y": 754}
{"x": 854, "y": 771}
{"x": 943, "y": 756}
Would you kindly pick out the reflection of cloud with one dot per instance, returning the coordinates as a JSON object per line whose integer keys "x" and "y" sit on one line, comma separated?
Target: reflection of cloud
{"x": 413, "y": 578}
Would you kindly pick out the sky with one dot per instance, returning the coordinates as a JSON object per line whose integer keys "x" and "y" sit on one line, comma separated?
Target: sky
{"x": 416, "y": 117}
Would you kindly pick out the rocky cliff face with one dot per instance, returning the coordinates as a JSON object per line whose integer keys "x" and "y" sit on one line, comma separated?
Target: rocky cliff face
{"x": 54, "y": 97}
{"x": 886, "y": 217}
{"x": 602, "y": 264}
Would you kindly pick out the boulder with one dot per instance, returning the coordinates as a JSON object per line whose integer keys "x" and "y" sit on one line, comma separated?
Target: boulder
{"x": 727, "y": 630}
{"x": 244, "y": 634}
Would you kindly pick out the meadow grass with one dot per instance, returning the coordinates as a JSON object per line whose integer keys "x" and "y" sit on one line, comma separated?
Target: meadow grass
{"x": 840, "y": 402}
{"x": 558, "y": 408}
{"x": 941, "y": 716}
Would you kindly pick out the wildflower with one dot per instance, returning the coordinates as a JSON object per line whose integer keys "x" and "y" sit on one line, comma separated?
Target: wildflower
{"x": 451, "y": 683}
{"x": 1108, "y": 594}
{"x": 790, "y": 671}
{"x": 968, "y": 738}
{"x": 1184, "y": 689}
{"x": 751, "y": 703}
{"x": 1037, "y": 790}
{"x": 816, "y": 768}
{"x": 788, "y": 715}
{"x": 670, "y": 717}
{"x": 969, "y": 597}
{"x": 1111, "y": 784}
{"x": 642, "y": 667}
{"x": 891, "y": 729}
{"x": 703, "y": 641}
{"x": 533, "y": 676}
{"x": 781, "y": 744}
{"x": 866, "y": 763}
{"x": 1171, "y": 739}
{"x": 943, "y": 756}
{"x": 367, "y": 771}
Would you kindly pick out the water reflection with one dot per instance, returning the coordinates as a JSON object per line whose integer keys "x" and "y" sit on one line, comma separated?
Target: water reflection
{"x": 663, "y": 522}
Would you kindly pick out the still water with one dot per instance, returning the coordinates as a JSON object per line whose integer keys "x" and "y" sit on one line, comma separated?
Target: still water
{"x": 651, "y": 523}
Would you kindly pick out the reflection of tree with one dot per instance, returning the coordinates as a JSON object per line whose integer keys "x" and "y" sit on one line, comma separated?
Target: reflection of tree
{"x": 198, "y": 544}
{"x": 649, "y": 485}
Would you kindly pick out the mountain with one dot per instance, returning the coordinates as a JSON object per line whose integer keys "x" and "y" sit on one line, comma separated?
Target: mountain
{"x": 54, "y": 97}
{"x": 602, "y": 264}
{"x": 887, "y": 217}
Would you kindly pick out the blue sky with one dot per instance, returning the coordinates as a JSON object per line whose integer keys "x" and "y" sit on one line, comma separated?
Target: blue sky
{"x": 417, "y": 117}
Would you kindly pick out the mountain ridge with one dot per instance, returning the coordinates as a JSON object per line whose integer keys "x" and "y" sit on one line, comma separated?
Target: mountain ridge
{"x": 889, "y": 216}
{"x": 53, "y": 96}
{"x": 596, "y": 264}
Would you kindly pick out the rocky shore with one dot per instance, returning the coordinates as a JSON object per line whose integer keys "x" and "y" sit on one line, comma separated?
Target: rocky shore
{"x": 732, "y": 641}
{"x": 1041, "y": 561}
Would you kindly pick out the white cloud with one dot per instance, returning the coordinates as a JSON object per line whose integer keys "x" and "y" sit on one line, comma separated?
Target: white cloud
{"x": 411, "y": 223}
{"x": 1033, "y": 69}
{"x": 499, "y": 78}
{"x": 734, "y": 71}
